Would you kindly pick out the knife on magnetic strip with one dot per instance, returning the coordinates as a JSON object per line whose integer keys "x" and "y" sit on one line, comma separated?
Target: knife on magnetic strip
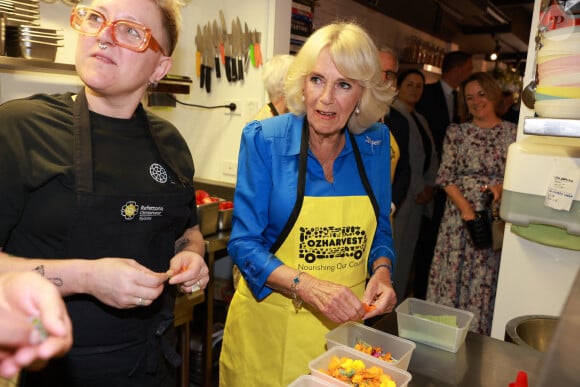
{"x": 234, "y": 43}
{"x": 227, "y": 46}
{"x": 239, "y": 39}
{"x": 216, "y": 40}
{"x": 208, "y": 56}
{"x": 198, "y": 50}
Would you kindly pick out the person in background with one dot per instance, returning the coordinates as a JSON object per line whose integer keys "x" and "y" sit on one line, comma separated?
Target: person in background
{"x": 437, "y": 106}
{"x": 34, "y": 323}
{"x": 474, "y": 157}
{"x": 509, "y": 108}
{"x": 97, "y": 196}
{"x": 400, "y": 169}
{"x": 423, "y": 170}
{"x": 307, "y": 181}
{"x": 273, "y": 75}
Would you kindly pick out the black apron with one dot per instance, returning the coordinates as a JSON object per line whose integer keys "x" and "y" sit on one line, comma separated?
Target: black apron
{"x": 114, "y": 347}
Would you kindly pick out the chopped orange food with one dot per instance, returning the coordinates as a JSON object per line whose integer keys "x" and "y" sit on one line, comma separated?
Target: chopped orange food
{"x": 355, "y": 373}
{"x": 369, "y": 308}
{"x": 374, "y": 351}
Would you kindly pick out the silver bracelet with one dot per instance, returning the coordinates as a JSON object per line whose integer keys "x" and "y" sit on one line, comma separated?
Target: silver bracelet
{"x": 296, "y": 300}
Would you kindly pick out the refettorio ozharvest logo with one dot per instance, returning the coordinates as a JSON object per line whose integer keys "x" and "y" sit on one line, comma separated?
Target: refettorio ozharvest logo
{"x": 331, "y": 242}
{"x": 131, "y": 210}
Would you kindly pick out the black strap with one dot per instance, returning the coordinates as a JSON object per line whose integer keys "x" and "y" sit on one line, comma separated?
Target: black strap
{"x": 300, "y": 189}
{"x": 363, "y": 176}
{"x": 273, "y": 109}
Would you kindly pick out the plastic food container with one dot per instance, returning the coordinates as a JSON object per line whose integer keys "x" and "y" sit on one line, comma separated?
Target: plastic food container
{"x": 320, "y": 364}
{"x": 432, "y": 333}
{"x": 308, "y": 381}
{"x": 350, "y": 333}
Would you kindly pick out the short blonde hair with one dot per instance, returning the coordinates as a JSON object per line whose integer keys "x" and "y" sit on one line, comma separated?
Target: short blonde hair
{"x": 171, "y": 21}
{"x": 356, "y": 57}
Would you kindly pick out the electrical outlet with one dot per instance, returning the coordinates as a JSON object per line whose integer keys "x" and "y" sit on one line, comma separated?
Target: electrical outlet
{"x": 251, "y": 109}
{"x": 238, "y": 111}
{"x": 229, "y": 167}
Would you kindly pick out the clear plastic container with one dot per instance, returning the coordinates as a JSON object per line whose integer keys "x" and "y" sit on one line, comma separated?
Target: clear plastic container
{"x": 308, "y": 381}
{"x": 432, "y": 333}
{"x": 320, "y": 364}
{"x": 350, "y": 333}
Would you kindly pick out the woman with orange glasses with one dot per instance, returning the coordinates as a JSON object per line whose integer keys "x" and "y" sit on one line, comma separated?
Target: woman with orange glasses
{"x": 97, "y": 196}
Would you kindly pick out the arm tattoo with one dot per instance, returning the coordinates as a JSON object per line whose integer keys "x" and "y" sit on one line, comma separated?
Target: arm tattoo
{"x": 180, "y": 244}
{"x": 56, "y": 281}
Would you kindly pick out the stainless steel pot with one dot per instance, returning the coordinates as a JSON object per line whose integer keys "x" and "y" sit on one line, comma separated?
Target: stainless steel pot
{"x": 2, "y": 33}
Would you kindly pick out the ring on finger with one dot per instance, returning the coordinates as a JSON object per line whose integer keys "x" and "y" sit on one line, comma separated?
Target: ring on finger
{"x": 140, "y": 301}
{"x": 196, "y": 287}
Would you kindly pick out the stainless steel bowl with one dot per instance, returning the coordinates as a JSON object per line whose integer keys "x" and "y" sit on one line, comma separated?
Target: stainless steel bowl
{"x": 533, "y": 331}
{"x": 2, "y": 34}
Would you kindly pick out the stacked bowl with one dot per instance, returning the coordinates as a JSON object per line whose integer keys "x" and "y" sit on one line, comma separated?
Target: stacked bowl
{"x": 32, "y": 42}
{"x": 558, "y": 91}
{"x": 20, "y": 12}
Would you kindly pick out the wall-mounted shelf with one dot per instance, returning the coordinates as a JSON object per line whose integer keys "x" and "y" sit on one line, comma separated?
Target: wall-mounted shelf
{"x": 21, "y": 64}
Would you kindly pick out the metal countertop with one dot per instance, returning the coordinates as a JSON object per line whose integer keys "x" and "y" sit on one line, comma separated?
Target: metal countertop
{"x": 480, "y": 361}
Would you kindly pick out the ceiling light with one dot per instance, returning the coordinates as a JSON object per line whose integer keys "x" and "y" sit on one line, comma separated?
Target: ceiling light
{"x": 496, "y": 14}
{"x": 495, "y": 54}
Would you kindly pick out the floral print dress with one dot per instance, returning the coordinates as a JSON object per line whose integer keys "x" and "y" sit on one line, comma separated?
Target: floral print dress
{"x": 461, "y": 276}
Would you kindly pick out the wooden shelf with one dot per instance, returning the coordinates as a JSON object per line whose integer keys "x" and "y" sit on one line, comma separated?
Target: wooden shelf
{"x": 39, "y": 66}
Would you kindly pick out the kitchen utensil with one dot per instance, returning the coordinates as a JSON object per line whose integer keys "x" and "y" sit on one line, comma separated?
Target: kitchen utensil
{"x": 234, "y": 43}
{"x": 198, "y": 44}
{"x": 247, "y": 44}
{"x": 528, "y": 93}
{"x": 215, "y": 35}
{"x": 257, "y": 48}
{"x": 208, "y": 56}
{"x": 227, "y": 47}
{"x": 239, "y": 39}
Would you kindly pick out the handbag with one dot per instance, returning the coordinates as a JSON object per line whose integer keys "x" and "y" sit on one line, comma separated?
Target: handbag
{"x": 480, "y": 230}
{"x": 487, "y": 229}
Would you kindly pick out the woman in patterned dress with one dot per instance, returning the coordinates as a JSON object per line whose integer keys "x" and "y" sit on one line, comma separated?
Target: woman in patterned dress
{"x": 474, "y": 157}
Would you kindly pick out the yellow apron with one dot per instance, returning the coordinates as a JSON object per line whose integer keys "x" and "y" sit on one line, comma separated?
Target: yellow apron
{"x": 330, "y": 239}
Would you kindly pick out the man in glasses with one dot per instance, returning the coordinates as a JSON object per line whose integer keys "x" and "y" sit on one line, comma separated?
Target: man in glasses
{"x": 97, "y": 196}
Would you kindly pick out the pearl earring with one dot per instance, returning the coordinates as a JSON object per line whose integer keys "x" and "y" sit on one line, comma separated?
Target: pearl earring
{"x": 357, "y": 110}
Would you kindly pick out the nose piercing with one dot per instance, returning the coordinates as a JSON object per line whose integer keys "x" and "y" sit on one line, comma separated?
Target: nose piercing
{"x": 102, "y": 46}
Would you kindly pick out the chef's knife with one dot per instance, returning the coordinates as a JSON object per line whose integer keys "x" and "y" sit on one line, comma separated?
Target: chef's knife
{"x": 203, "y": 58}
{"x": 215, "y": 34}
{"x": 252, "y": 54}
{"x": 257, "y": 49}
{"x": 247, "y": 45}
{"x": 227, "y": 47}
{"x": 209, "y": 54}
{"x": 198, "y": 44}
{"x": 234, "y": 42}
{"x": 240, "y": 49}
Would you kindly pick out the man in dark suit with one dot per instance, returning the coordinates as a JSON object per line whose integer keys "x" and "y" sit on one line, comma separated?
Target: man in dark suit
{"x": 401, "y": 175}
{"x": 438, "y": 104}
